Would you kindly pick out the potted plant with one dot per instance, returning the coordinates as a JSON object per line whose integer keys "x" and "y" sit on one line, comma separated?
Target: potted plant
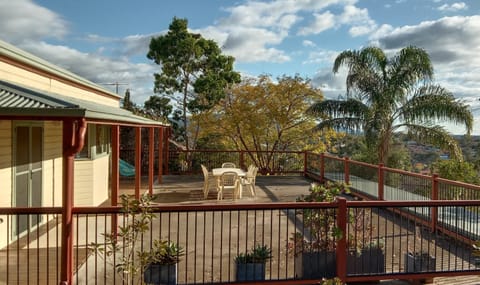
{"x": 123, "y": 244}
{"x": 250, "y": 266}
{"x": 416, "y": 258}
{"x": 419, "y": 261}
{"x": 314, "y": 247}
{"x": 365, "y": 253}
{"x": 126, "y": 244}
{"x": 160, "y": 263}
{"x": 476, "y": 253}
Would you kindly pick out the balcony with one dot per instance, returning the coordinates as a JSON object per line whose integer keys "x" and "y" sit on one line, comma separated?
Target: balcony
{"x": 408, "y": 213}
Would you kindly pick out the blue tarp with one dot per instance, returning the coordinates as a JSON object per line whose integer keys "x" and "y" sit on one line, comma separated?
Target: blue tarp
{"x": 126, "y": 169}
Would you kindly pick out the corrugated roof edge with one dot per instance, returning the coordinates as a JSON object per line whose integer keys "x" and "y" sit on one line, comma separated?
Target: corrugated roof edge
{"x": 70, "y": 107}
{"x": 15, "y": 53}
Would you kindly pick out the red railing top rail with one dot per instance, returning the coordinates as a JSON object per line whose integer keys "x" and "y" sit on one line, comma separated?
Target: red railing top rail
{"x": 30, "y": 210}
{"x": 458, "y": 183}
{"x": 268, "y": 206}
{"x": 256, "y": 151}
{"x": 363, "y": 163}
{"x": 409, "y": 173}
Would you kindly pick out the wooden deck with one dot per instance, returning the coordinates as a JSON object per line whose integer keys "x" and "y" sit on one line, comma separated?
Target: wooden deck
{"x": 38, "y": 264}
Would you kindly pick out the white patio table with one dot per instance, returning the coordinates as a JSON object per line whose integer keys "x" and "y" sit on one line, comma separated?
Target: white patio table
{"x": 217, "y": 172}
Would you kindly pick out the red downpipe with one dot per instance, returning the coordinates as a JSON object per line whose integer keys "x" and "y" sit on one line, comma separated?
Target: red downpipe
{"x": 73, "y": 141}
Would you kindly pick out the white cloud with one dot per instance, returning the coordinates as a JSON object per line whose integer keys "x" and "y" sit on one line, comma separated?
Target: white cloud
{"x": 453, "y": 46}
{"x": 321, "y": 56}
{"x": 308, "y": 43}
{"x": 358, "y": 19}
{"x": 453, "y": 7}
{"x": 99, "y": 69}
{"x": 321, "y": 23}
{"x": 240, "y": 45}
{"x": 23, "y": 19}
{"x": 361, "y": 22}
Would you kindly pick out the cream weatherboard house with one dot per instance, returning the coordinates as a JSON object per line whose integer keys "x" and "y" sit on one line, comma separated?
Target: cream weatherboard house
{"x": 59, "y": 141}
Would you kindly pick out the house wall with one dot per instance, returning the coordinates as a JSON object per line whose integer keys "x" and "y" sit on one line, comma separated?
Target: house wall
{"x": 91, "y": 181}
{"x": 5, "y": 174}
{"x": 46, "y": 83}
{"x": 5, "y": 164}
{"x": 52, "y": 164}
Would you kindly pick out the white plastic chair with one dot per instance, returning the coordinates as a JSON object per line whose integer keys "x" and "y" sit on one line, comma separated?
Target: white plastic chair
{"x": 206, "y": 181}
{"x": 250, "y": 178}
{"x": 228, "y": 165}
{"x": 228, "y": 181}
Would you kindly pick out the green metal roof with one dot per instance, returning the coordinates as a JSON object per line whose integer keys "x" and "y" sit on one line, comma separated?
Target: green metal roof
{"x": 21, "y": 101}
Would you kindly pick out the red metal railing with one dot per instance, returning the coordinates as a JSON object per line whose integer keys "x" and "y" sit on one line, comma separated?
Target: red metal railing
{"x": 405, "y": 198}
{"x": 212, "y": 235}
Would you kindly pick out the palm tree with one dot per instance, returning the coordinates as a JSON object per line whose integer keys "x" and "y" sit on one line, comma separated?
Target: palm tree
{"x": 385, "y": 96}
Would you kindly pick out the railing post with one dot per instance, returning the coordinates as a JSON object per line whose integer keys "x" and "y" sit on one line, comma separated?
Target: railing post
{"x": 305, "y": 156}
{"x": 381, "y": 181}
{"x": 242, "y": 160}
{"x": 322, "y": 167}
{"x": 167, "y": 151}
{"x": 138, "y": 161}
{"x": 346, "y": 170}
{"x": 341, "y": 249}
{"x": 434, "y": 210}
{"x": 151, "y": 154}
{"x": 160, "y": 154}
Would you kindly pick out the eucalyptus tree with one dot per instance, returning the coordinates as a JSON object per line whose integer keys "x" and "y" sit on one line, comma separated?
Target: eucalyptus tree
{"x": 387, "y": 95}
{"x": 194, "y": 72}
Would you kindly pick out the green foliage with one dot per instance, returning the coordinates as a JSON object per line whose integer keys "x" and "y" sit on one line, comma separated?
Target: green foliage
{"x": 163, "y": 252}
{"x": 321, "y": 222}
{"x": 258, "y": 254}
{"x": 127, "y": 101}
{"x": 124, "y": 245}
{"x": 194, "y": 73}
{"x": 262, "y": 116}
{"x": 456, "y": 170}
{"x": 332, "y": 281}
{"x": 158, "y": 107}
{"x": 388, "y": 95}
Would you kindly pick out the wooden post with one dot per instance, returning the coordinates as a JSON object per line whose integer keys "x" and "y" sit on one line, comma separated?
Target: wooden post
{"x": 305, "y": 163}
{"x": 160, "y": 154}
{"x": 138, "y": 161}
{"x": 242, "y": 160}
{"x": 166, "y": 137}
{"x": 115, "y": 173}
{"x": 381, "y": 182}
{"x": 434, "y": 210}
{"x": 346, "y": 169}
{"x": 151, "y": 153}
{"x": 322, "y": 167}
{"x": 115, "y": 163}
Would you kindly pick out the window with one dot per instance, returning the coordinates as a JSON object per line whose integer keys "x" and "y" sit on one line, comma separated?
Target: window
{"x": 97, "y": 142}
{"x": 102, "y": 139}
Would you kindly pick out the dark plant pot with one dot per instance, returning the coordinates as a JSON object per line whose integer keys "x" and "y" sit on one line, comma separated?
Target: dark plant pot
{"x": 160, "y": 274}
{"x": 315, "y": 265}
{"x": 419, "y": 262}
{"x": 371, "y": 260}
{"x": 250, "y": 271}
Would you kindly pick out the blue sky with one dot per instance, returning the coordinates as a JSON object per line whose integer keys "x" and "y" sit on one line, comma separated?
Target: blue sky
{"x": 106, "y": 41}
